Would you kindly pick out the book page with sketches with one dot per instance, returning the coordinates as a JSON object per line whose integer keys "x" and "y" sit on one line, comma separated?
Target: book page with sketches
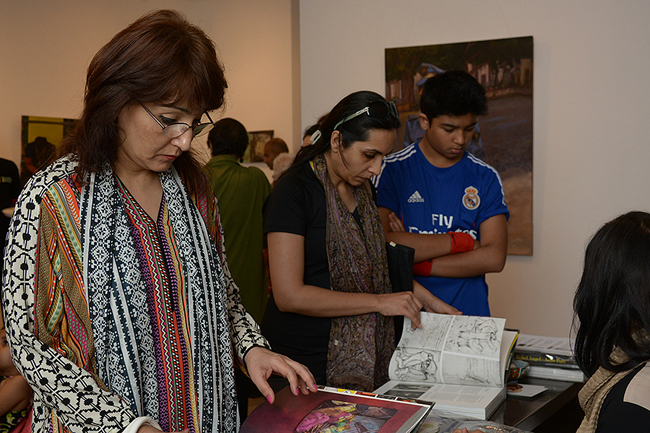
{"x": 448, "y": 349}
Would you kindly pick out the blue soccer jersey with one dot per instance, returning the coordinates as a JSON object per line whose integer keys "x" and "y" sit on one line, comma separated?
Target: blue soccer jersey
{"x": 430, "y": 199}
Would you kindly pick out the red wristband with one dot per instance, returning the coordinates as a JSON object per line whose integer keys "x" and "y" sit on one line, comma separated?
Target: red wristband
{"x": 461, "y": 242}
{"x": 423, "y": 269}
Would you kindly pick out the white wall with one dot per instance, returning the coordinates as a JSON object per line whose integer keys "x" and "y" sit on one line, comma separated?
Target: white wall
{"x": 45, "y": 47}
{"x": 591, "y": 105}
{"x": 591, "y": 101}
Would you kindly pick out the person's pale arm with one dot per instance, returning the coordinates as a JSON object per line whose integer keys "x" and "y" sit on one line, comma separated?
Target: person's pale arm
{"x": 15, "y": 394}
{"x": 286, "y": 264}
{"x": 490, "y": 256}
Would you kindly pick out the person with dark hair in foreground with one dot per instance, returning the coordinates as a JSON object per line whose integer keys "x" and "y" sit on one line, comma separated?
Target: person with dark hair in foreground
{"x": 612, "y": 315}
{"x": 121, "y": 312}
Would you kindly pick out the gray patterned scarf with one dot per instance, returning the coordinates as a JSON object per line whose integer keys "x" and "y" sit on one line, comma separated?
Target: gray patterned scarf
{"x": 360, "y": 346}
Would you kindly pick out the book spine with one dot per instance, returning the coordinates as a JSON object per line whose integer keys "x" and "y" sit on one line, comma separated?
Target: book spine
{"x": 547, "y": 360}
{"x": 562, "y": 374}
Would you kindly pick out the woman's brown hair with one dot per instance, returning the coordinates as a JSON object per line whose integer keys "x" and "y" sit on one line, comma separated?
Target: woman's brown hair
{"x": 160, "y": 58}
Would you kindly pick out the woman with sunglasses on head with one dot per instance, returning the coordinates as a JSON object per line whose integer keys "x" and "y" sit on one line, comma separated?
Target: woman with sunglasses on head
{"x": 331, "y": 303}
{"x": 120, "y": 309}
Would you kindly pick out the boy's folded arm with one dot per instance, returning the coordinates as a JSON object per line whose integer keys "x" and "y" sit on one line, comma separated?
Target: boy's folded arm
{"x": 490, "y": 256}
{"x": 427, "y": 246}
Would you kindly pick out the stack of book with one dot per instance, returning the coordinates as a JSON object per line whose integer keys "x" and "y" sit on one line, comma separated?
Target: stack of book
{"x": 549, "y": 358}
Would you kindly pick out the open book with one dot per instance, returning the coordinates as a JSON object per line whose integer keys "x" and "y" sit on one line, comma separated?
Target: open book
{"x": 458, "y": 362}
{"x": 332, "y": 409}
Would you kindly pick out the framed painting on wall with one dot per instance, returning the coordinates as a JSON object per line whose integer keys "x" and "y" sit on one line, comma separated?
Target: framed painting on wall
{"x": 504, "y": 136}
{"x": 255, "y": 150}
{"x": 41, "y": 137}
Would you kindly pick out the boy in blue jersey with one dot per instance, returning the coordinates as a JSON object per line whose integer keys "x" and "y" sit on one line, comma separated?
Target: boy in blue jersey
{"x": 434, "y": 195}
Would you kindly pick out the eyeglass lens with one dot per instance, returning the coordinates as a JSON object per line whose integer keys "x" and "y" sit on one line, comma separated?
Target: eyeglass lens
{"x": 177, "y": 129}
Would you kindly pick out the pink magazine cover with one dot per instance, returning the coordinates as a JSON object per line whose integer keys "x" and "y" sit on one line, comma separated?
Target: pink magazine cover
{"x": 334, "y": 412}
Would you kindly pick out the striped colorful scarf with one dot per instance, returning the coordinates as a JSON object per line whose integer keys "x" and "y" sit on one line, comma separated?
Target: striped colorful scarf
{"x": 126, "y": 357}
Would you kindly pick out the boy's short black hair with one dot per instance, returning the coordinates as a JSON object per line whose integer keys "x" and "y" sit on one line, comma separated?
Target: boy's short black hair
{"x": 452, "y": 93}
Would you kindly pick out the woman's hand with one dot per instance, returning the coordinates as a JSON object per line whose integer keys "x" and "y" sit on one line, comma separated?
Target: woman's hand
{"x": 261, "y": 363}
{"x": 464, "y": 430}
{"x": 432, "y": 303}
{"x": 401, "y": 304}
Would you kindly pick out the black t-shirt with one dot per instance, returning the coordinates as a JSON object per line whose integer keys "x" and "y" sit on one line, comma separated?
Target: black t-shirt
{"x": 297, "y": 205}
{"x": 9, "y": 183}
{"x": 617, "y": 414}
{"x": 9, "y": 191}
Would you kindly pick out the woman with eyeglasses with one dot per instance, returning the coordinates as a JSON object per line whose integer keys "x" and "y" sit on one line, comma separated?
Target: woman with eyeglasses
{"x": 120, "y": 308}
{"x": 331, "y": 302}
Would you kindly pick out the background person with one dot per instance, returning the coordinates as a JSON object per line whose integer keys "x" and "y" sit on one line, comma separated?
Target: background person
{"x": 281, "y": 163}
{"x": 9, "y": 189}
{"x": 272, "y": 149}
{"x": 120, "y": 308}
{"x": 612, "y": 313}
{"x": 240, "y": 193}
{"x": 307, "y": 133}
{"x": 433, "y": 196}
{"x": 38, "y": 154}
{"x": 331, "y": 302}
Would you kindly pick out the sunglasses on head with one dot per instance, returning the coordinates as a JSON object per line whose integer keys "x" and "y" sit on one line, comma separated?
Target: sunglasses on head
{"x": 375, "y": 109}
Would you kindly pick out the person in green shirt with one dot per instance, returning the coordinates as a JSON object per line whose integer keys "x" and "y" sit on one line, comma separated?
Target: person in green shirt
{"x": 240, "y": 193}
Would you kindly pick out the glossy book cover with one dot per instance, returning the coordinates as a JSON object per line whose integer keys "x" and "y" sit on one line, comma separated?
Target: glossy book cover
{"x": 333, "y": 411}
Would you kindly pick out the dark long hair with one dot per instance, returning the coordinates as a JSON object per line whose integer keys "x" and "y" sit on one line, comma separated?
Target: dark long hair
{"x": 356, "y": 129}
{"x": 613, "y": 298}
{"x": 160, "y": 58}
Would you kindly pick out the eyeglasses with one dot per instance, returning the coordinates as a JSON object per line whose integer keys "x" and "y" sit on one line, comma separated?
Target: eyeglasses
{"x": 375, "y": 109}
{"x": 174, "y": 130}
